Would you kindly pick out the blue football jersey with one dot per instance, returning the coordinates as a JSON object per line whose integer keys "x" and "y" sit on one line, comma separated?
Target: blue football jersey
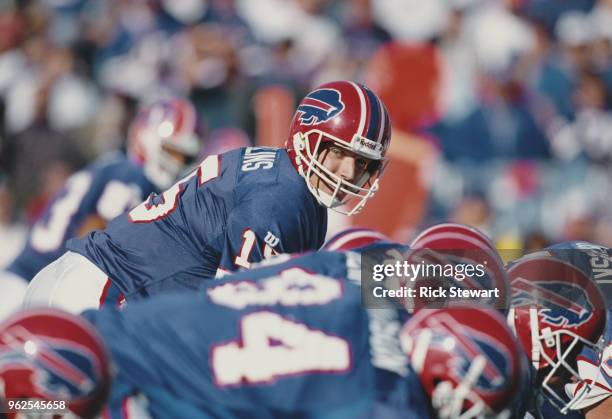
{"x": 594, "y": 260}
{"x": 106, "y": 188}
{"x": 286, "y": 340}
{"x": 235, "y": 209}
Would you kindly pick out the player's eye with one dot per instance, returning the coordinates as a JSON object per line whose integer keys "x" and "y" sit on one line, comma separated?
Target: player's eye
{"x": 361, "y": 163}
{"x": 336, "y": 151}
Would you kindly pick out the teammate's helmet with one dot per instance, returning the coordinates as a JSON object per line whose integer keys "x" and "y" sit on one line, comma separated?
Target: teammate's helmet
{"x": 159, "y": 132}
{"x": 352, "y": 117}
{"x": 467, "y": 360}
{"x": 468, "y": 262}
{"x": 451, "y": 230}
{"x": 48, "y": 354}
{"x": 556, "y": 312}
{"x": 354, "y": 238}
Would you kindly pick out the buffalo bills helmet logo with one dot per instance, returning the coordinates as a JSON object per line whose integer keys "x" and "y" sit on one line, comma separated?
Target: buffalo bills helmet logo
{"x": 469, "y": 343}
{"x": 559, "y": 304}
{"x": 320, "y": 106}
{"x": 60, "y": 368}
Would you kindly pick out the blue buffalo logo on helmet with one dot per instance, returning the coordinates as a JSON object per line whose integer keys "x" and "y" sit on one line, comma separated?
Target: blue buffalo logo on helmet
{"x": 59, "y": 368}
{"x": 320, "y": 106}
{"x": 560, "y": 304}
{"x": 468, "y": 344}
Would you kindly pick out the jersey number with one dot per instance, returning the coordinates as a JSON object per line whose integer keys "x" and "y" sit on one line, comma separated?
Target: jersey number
{"x": 49, "y": 236}
{"x": 249, "y": 240}
{"x": 272, "y": 346}
{"x": 147, "y": 212}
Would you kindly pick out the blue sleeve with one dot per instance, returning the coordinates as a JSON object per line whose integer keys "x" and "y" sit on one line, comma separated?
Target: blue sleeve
{"x": 165, "y": 243}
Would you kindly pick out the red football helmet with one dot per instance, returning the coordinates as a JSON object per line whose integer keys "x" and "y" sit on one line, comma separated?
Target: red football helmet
{"x": 352, "y": 117}
{"x": 354, "y": 238}
{"x": 467, "y": 360}
{"x": 451, "y": 230}
{"x": 482, "y": 269}
{"x": 158, "y": 133}
{"x": 556, "y": 311}
{"x": 48, "y": 354}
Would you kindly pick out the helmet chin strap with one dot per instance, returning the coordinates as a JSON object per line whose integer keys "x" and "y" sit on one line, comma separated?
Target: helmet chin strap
{"x": 535, "y": 341}
{"x": 327, "y": 200}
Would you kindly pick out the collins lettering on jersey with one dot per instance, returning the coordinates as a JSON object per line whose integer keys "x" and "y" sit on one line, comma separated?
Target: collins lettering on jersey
{"x": 258, "y": 158}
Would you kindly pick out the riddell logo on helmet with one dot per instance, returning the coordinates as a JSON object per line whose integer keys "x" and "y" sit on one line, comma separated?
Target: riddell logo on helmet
{"x": 369, "y": 147}
{"x": 320, "y": 106}
{"x": 367, "y": 143}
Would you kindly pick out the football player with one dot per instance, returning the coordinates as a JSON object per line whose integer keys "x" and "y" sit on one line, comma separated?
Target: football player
{"x": 163, "y": 138}
{"x": 235, "y": 208}
{"x": 557, "y": 313}
{"x": 289, "y": 340}
{"x": 594, "y": 367}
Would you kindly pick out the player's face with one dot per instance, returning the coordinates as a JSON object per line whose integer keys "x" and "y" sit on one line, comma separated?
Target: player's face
{"x": 343, "y": 163}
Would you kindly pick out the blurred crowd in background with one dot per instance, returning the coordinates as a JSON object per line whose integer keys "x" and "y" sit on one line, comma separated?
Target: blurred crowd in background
{"x": 502, "y": 108}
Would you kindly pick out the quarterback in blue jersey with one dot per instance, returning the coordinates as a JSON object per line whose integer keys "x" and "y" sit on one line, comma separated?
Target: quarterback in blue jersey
{"x": 105, "y": 189}
{"x": 282, "y": 341}
{"x": 235, "y": 208}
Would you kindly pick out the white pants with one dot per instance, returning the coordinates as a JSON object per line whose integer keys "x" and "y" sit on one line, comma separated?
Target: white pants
{"x": 12, "y": 290}
{"x": 71, "y": 283}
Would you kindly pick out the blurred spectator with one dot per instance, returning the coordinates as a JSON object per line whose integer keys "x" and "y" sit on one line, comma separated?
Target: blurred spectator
{"x": 38, "y": 115}
{"x": 474, "y": 211}
{"x": 501, "y": 126}
{"x": 590, "y": 134}
{"x": 535, "y": 240}
{"x": 497, "y": 82}
{"x": 225, "y": 139}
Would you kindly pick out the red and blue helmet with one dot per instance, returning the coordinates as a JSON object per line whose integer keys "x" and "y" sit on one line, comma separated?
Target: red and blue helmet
{"x": 451, "y": 231}
{"x": 482, "y": 271}
{"x": 354, "y": 238}
{"x": 350, "y": 116}
{"x": 467, "y": 360}
{"x": 556, "y": 312}
{"x": 48, "y": 354}
{"x": 159, "y": 129}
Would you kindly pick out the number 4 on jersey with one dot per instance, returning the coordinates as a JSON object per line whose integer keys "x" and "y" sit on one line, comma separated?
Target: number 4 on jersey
{"x": 272, "y": 347}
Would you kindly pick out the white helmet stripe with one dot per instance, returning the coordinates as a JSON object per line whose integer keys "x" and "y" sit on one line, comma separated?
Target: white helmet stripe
{"x": 383, "y": 121}
{"x": 363, "y": 115}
